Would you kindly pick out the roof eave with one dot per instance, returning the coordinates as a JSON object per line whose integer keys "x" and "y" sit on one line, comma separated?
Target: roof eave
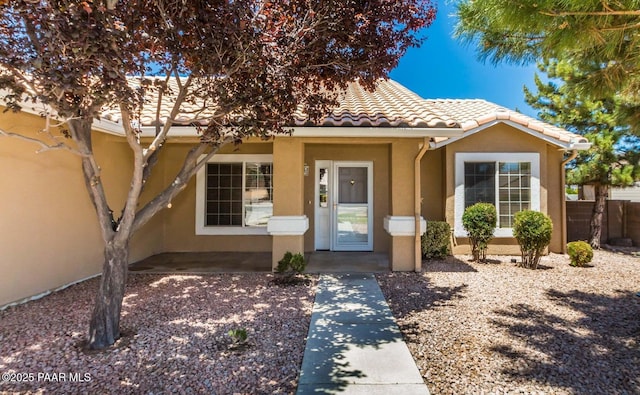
{"x": 396, "y": 132}
{"x": 566, "y": 145}
{"x": 306, "y": 131}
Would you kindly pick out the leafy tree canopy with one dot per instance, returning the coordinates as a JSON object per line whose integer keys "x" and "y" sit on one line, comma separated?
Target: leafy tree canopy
{"x": 243, "y": 67}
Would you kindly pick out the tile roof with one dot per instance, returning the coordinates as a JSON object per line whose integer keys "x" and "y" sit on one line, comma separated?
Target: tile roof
{"x": 473, "y": 113}
{"x": 390, "y": 105}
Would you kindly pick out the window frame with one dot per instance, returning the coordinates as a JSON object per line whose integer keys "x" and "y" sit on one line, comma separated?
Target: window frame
{"x": 496, "y": 157}
{"x": 201, "y": 186}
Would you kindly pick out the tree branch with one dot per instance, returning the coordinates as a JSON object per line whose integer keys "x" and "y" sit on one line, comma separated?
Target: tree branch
{"x": 591, "y": 13}
{"x": 129, "y": 210}
{"x": 190, "y": 167}
{"x": 81, "y": 133}
{"x": 44, "y": 146}
{"x": 175, "y": 110}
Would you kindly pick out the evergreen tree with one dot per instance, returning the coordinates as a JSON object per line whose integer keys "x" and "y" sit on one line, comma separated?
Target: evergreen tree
{"x": 602, "y": 37}
{"x": 613, "y": 157}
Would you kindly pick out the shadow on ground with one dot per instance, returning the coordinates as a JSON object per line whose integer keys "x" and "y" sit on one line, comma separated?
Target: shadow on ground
{"x": 417, "y": 294}
{"x": 607, "y": 335}
{"x": 450, "y": 264}
{"x": 175, "y": 337}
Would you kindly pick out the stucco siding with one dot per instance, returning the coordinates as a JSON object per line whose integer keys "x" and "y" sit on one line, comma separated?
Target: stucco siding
{"x": 49, "y": 234}
{"x": 350, "y": 150}
{"x": 433, "y": 185}
{"x": 504, "y": 138}
{"x": 179, "y": 221}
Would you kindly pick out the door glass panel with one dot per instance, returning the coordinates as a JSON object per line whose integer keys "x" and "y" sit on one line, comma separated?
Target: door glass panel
{"x": 322, "y": 187}
{"x": 352, "y": 186}
{"x": 352, "y": 224}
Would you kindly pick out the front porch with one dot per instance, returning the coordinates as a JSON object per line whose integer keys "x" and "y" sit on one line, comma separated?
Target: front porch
{"x": 248, "y": 262}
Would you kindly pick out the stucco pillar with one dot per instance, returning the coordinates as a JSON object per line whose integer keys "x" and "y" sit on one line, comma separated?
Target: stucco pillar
{"x": 400, "y": 223}
{"x": 289, "y": 223}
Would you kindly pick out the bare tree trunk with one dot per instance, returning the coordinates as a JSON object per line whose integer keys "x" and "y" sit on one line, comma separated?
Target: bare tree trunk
{"x": 104, "y": 328}
{"x": 602, "y": 191}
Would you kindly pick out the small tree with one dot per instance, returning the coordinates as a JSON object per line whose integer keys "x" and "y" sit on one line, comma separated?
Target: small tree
{"x": 479, "y": 220}
{"x": 533, "y": 231}
{"x": 241, "y": 67}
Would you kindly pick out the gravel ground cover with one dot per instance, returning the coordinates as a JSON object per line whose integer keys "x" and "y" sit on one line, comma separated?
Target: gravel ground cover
{"x": 496, "y": 328}
{"x": 175, "y": 338}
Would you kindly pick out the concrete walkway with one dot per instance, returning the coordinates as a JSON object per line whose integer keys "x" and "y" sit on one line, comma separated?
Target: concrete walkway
{"x": 354, "y": 345}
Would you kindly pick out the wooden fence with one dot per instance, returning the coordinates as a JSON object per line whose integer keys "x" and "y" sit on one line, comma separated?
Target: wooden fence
{"x": 621, "y": 220}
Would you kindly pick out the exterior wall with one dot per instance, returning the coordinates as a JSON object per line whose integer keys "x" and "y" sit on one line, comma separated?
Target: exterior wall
{"x": 179, "y": 221}
{"x": 432, "y": 176}
{"x": 49, "y": 225}
{"x": 554, "y": 188}
{"x": 504, "y": 138}
{"x": 49, "y": 235}
{"x": 350, "y": 150}
{"x": 630, "y": 193}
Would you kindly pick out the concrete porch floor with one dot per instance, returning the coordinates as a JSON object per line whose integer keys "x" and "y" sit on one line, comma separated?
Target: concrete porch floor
{"x": 249, "y": 262}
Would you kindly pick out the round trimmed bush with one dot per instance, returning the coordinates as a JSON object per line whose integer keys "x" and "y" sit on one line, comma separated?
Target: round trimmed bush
{"x": 479, "y": 220}
{"x": 580, "y": 253}
{"x": 533, "y": 231}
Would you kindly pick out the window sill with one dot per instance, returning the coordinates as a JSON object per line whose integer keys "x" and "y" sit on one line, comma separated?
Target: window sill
{"x": 231, "y": 231}
{"x": 499, "y": 233}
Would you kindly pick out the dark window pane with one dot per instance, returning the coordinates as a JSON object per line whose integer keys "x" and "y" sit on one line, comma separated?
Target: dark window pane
{"x": 213, "y": 194}
{"x": 236, "y": 181}
{"x": 225, "y": 168}
{"x": 479, "y": 183}
{"x": 212, "y": 220}
{"x": 225, "y": 194}
{"x": 221, "y": 188}
{"x": 225, "y": 181}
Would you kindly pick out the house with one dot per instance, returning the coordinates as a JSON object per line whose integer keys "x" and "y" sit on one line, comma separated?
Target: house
{"x": 355, "y": 182}
{"x": 631, "y": 193}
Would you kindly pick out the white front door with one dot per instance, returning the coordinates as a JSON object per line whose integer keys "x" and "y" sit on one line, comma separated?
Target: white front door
{"x": 344, "y": 206}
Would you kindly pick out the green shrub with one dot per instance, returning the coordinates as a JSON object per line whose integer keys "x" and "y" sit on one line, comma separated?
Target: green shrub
{"x": 580, "y": 253}
{"x": 238, "y": 335}
{"x": 479, "y": 220}
{"x": 436, "y": 242}
{"x": 533, "y": 231}
{"x": 290, "y": 268}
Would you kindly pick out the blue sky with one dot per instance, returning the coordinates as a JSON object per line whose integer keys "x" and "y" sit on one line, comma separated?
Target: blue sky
{"x": 445, "y": 68}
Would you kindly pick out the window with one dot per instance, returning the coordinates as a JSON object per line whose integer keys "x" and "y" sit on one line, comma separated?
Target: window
{"x": 510, "y": 181}
{"x": 234, "y": 195}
